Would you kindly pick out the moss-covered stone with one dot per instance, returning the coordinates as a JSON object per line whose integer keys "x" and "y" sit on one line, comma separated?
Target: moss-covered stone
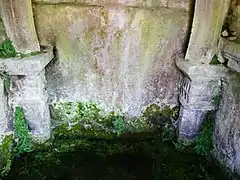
{"x": 88, "y": 119}
{"x": 6, "y": 154}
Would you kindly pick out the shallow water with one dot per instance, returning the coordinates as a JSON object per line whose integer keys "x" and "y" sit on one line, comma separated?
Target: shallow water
{"x": 125, "y": 159}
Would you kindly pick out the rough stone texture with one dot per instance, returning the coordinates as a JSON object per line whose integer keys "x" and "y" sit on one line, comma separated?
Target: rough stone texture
{"x": 17, "y": 16}
{"x": 208, "y": 20}
{"x": 2, "y": 32}
{"x": 230, "y": 50}
{"x": 227, "y": 124}
{"x": 198, "y": 87}
{"x": 4, "y": 119}
{"x": 183, "y": 4}
{"x": 31, "y": 65}
{"x": 120, "y": 57}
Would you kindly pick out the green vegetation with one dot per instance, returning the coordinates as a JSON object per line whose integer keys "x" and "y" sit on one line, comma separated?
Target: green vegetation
{"x": 215, "y": 60}
{"x": 203, "y": 144}
{"x": 21, "y": 136}
{"x": 217, "y": 99}
{"x": 6, "y": 154}
{"x": 7, "y": 49}
{"x": 83, "y": 129}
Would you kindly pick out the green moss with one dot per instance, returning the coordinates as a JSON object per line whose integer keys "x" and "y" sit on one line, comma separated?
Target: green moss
{"x": 21, "y": 134}
{"x": 7, "y": 49}
{"x": 87, "y": 119}
{"x": 203, "y": 144}
{"x": 215, "y": 60}
{"x": 6, "y": 154}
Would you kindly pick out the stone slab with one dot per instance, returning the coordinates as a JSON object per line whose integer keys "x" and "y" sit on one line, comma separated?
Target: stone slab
{"x": 196, "y": 70}
{"x": 28, "y": 88}
{"x": 118, "y": 57}
{"x": 31, "y": 65}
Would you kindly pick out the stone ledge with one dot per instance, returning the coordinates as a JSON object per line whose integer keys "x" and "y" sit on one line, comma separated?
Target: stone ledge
{"x": 183, "y": 4}
{"x": 199, "y": 71}
{"x": 26, "y": 66}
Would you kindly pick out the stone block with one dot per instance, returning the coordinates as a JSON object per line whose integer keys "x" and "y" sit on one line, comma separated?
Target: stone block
{"x": 29, "y": 88}
{"x": 26, "y": 66}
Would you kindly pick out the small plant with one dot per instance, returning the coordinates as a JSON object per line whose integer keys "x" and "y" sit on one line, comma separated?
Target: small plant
{"x": 7, "y": 50}
{"x": 23, "y": 140}
{"x": 203, "y": 143}
{"x": 215, "y": 60}
{"x": 216, "y": 100}
{"x": 119, "y": 125}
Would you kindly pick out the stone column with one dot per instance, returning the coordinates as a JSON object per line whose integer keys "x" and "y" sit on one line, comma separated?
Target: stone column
{"x": 208, "y": 20}
{"x": 199, "y": 86}
{"x": 17, "y": 16}
{"x": 29, "y": 91}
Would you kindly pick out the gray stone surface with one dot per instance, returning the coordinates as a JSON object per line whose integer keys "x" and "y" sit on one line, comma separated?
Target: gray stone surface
{"x": 234, "y": 65}
{"x": 190, "y": 122}
{"x": 31, "y": 65}
{"x": 119, "y": 57}
{"x": 18, "y": 20}
{"x": 199, "y": 85}
{"x": 230, "y": 50}
{"x": 227, "y": 124}
{"x": 4, "y": 118}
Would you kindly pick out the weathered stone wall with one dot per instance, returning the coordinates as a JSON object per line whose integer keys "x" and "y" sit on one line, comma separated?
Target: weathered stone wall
{"x": 120, "y": 55}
